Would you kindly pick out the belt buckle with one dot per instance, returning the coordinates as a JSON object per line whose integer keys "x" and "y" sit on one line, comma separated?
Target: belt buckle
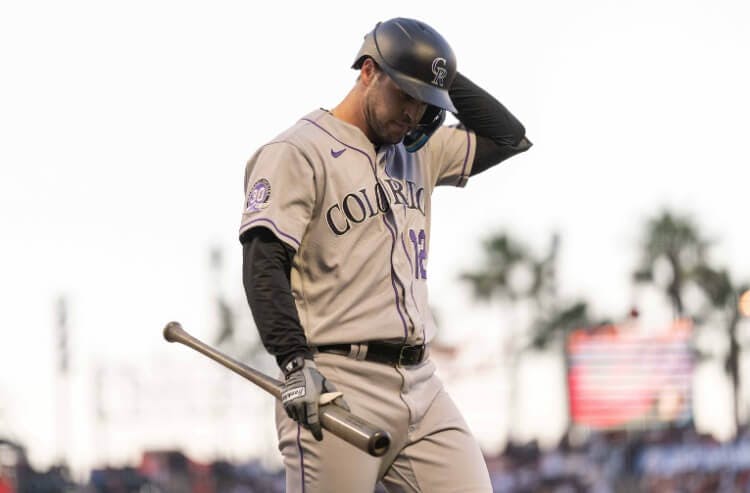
{"x": 406, "y": 351}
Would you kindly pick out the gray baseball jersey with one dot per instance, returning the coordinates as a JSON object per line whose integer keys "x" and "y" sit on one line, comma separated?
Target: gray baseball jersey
{"x": 359, "y": 221}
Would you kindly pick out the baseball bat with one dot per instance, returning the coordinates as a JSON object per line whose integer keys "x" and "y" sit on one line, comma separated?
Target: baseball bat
{"x": 335, "y": 419}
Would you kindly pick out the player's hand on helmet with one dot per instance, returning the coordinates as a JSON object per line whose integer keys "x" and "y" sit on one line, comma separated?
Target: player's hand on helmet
{"x": 302, "y": 391}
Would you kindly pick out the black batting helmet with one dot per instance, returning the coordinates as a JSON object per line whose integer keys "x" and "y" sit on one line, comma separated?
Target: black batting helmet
{"x": 418, "y": 59}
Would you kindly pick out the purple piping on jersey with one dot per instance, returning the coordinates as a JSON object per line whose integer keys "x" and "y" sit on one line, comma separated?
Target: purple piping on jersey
{"x": 406, "y": 250}
{"x": 393, "y": 234}
{"x": 466, "y": 158}
{"x": 273, "y": 224}
{"x": 395, "y": 279}
{"x": 301, "y": 457}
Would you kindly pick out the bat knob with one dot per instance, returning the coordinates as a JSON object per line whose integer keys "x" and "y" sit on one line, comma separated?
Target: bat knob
{"x": 379, "y": 444}
{"x": 172, "y": 331}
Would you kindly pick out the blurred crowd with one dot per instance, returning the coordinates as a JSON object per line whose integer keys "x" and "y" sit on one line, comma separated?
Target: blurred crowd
{"x": 674, "y": 460}
{"x": 670, "y": 460}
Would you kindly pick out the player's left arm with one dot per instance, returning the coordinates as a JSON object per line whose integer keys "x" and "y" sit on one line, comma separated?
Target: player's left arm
{"x": 499, "y": 134}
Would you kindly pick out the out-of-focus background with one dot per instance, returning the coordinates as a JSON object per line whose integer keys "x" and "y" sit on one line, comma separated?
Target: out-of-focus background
{"x": 589, "y": 293}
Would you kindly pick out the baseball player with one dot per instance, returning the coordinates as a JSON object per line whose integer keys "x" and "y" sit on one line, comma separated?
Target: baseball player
{"x": 336, "y": 240}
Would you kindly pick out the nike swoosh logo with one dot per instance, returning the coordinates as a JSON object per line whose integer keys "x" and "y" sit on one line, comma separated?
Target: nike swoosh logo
{"x": 337, "y": 153}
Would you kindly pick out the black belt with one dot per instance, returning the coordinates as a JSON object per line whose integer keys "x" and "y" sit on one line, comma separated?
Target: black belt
{"x": 383, "y": 352}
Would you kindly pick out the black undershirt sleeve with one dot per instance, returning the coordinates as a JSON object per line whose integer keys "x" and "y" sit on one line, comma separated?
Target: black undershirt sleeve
{"x": 499, "y": 134}
{"x": 266, "y": 269}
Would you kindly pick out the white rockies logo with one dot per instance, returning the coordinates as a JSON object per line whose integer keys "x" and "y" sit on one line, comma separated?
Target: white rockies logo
{"x": 438, "y": 68}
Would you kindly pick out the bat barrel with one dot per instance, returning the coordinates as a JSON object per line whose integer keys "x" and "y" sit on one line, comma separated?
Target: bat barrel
{"x": 355, "y": 430}
{"x": 379, "y": 443}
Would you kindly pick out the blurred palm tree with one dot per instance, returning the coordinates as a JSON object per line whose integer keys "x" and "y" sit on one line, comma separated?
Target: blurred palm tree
{"x": 246, "y": 345}
{"x": 676, "y": 242}
{"x": 511, "y": 273}
{"x": 224, "y": 311}
{"x": 500, "y": 276}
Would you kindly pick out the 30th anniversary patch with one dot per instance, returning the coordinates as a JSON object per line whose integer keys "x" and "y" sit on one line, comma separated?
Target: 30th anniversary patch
{"x": 259, "y": 196}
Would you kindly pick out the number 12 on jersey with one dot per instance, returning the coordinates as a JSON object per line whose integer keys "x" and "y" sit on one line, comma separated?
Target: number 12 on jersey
{"x": 419, "y": 242}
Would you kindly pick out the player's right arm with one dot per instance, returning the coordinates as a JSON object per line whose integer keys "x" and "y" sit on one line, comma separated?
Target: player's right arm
{"x": 266, "y": 267}
{"x": 279, "y": 199}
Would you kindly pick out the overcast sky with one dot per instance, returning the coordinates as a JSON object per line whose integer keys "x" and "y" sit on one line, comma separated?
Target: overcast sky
{"x": 125, "y": 126}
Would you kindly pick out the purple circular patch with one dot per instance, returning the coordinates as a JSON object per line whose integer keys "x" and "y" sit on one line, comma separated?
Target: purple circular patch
{"x": 259, "y": 196}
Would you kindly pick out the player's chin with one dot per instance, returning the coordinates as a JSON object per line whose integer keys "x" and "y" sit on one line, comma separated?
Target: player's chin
{"x": 391, "y": 133}
{"x": 396, "y": 133}
{"x": 390, "y": 138}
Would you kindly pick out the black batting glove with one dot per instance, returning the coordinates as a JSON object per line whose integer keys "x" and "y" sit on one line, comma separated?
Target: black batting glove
{"x": 301, "y": 394}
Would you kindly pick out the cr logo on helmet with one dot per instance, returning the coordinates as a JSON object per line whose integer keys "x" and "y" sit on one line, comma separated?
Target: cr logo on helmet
{"x": 438, "y": 68}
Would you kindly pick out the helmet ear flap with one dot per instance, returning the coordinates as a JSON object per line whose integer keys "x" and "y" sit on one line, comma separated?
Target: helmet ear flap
{"x": 432, "y": 120}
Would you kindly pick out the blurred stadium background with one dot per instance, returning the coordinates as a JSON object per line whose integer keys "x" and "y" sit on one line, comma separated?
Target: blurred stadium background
{"x": 608, "y": 358}
{"x": 626, "y": 387}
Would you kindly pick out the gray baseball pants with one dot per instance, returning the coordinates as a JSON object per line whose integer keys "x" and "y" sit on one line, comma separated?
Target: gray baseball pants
{"x": 432, "y": 449}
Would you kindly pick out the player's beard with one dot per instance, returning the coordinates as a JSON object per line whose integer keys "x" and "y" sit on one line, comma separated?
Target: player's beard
{"x": 382, "y": 130}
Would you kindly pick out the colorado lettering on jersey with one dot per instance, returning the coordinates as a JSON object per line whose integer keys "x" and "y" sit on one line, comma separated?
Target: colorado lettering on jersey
{"x": 357, "y": 207}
